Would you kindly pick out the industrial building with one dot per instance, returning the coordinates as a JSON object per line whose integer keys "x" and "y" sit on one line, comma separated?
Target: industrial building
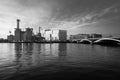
{"x": 10, "y": 38}
{"x": 18, "y": 32}
{"x": 29, "y": 36}
{"x": 23, "y": 36}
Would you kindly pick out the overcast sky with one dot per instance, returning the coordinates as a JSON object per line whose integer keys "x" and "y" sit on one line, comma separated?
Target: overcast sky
{"x": 76, "y": 16}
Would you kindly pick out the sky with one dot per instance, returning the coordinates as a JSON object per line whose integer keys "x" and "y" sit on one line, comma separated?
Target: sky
{"x": 75, "y": 16}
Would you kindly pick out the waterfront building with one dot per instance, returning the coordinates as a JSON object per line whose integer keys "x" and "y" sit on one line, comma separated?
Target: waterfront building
{"x": 79, "y": 36}
{"x": 55, "y": 35}
{"x": 22, "y": 35}
{"x": 18, "y": 35}
{"x": 10, "y": 38}
{"x": 43, "y": 35}
{"x": 27, "y": 35}
{"x": 62, "y": 35}
{"x": 38, "y": 37}
{"x": 18, "y": 32}
{"x": 96, "y": 35}
{"x": 47, "y": 35}
{"x": 84, "y": 36}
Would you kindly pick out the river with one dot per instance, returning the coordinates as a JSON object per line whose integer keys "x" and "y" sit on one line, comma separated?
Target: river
{"x": 58, "y": 60}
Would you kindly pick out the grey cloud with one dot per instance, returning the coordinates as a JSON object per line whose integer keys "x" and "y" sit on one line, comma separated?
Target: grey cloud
{"x": 69, "y": 9}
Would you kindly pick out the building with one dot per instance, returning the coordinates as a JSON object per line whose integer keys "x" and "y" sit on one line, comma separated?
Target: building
{"x": 79, "y": 36}
{"x": 55, "y": 35}
{"x": 84, "y": 36}
{"x": 22, "y": 35}
{"x": 10, "y": 38}
{"x": 96, "y": 35}
{"x": 38, "y": 37}
{"x": 18, "y": 32}
{"x": 17, "y": 35}
{"x": 27, "y": 35}
{"x": 47, "y": 35}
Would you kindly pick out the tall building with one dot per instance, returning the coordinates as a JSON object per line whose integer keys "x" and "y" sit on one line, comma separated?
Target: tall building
{"x": 62, "y": 35}
{"x": 18, "y": 32}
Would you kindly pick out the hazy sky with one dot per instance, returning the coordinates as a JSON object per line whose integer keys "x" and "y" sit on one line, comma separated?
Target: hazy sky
{"x": 76, "y": 16}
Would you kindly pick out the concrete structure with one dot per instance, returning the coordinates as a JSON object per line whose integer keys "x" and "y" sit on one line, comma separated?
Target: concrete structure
{"x": 84, "y": 36}
{"x": 79, "y": 36}
{"x": 18, "y": 32}
{"x": 22, "y": 35}
{"x": 10, "y": 38}
{"x": 47, "y": 35}
{"x": 38, "y": 37}
{"x": 55, "y": 35}
{"x": 86, "y": 41}
{"x": 96, "y": 35}
{"x": 107, "y": 41}
{"x": 18, "y": 23}
{"x": 27, "y": 35}
{"x": 18, "y": 35}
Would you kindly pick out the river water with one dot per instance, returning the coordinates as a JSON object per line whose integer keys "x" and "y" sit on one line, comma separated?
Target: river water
{"x": 26, "y": 60}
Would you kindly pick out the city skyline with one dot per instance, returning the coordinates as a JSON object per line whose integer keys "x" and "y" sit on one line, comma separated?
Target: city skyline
{"x": 76, "y": 16}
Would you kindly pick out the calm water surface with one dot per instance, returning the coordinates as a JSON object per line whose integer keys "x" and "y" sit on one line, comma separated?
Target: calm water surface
{"x": 19, "y": 58}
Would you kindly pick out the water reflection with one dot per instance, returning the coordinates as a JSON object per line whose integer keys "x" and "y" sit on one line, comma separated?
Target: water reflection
{"x": 36, "y": 57}
{"x": 20, "y": 57}
{"x": 18, "y": 49}
{"x": 29, "y": 55}
{"x": 18, "y": 54}
{"x": 62, "y": 49}
{"x": 27, "y": 48}
{"x": 23, "y": 53}
{"x": 62, "y": 53}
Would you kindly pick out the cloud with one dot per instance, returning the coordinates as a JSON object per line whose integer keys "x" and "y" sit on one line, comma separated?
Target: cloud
{"x": 62, "y": 14}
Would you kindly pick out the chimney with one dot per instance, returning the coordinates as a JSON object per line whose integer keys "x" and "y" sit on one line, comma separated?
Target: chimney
{"x": 18, "y": 21}
{"x": 39, "y": 29}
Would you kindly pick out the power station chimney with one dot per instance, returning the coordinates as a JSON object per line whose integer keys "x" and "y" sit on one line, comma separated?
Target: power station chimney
{"x": 18, "y": 21}
{"x": 39, "y": 29}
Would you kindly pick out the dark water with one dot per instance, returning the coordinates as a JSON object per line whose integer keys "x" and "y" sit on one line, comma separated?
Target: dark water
{"x": 23, "y": 61}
